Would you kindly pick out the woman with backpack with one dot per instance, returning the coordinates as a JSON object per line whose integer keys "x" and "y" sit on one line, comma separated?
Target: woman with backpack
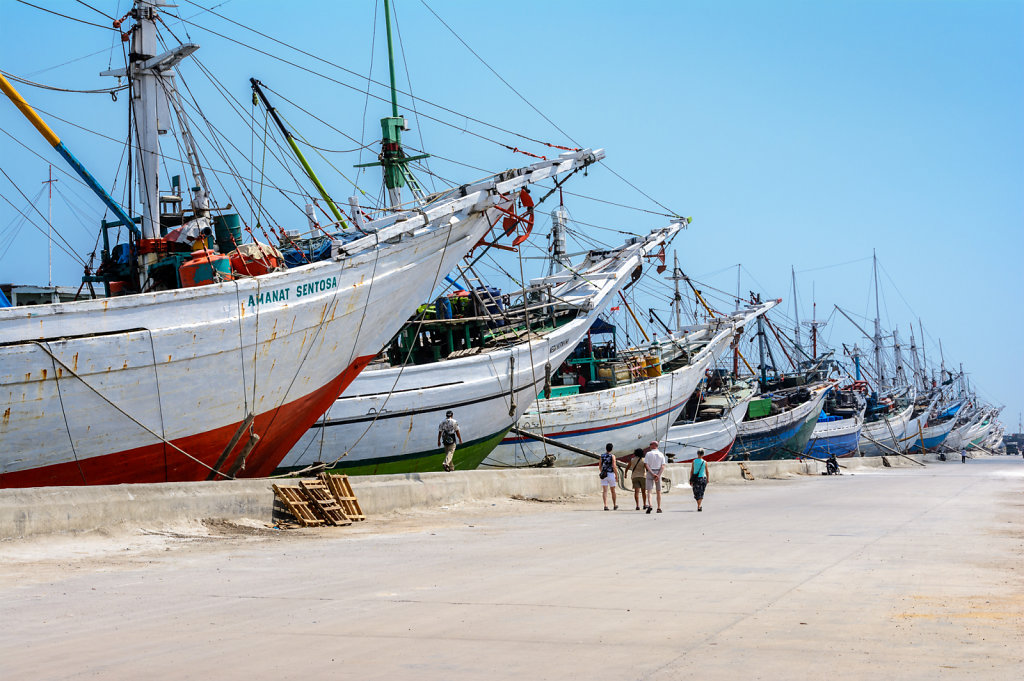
{"x": 609, "y": 474}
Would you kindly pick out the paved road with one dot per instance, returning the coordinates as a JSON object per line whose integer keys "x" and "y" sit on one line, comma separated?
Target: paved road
{"x": 895, "y": 574}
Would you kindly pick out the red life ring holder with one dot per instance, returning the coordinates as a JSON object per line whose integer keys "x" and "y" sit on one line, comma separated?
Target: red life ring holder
{"x": 515, "y": 221}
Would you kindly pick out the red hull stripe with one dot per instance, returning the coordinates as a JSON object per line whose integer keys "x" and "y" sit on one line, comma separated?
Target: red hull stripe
{"x": 279, "y": 430}
{"x": 716, "y": 456}
{"x": 596, "y": 429}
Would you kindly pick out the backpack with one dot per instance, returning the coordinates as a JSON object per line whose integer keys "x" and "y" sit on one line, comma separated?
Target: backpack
{"x": 447, "y": 433}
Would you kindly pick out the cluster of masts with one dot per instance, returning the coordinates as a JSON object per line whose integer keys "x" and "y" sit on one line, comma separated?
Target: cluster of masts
{"x": 151, "y": 75}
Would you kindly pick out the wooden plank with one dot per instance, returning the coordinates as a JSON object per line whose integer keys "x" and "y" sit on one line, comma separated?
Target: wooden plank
{"x": 341, "y": 490}
{"x": 746, "y": 472}
{"x": 297, "y": 505}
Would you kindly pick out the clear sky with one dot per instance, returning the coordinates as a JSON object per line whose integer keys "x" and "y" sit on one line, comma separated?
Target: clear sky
{"x": 797, "y": 134}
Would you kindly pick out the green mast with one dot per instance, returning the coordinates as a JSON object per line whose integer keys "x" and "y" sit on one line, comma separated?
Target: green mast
{"x": 391, "y": 65}
{"x": 392, "y": 156}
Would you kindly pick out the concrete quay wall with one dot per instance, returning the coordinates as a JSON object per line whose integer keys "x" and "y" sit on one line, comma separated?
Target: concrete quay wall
{"x": 59, "y": 510}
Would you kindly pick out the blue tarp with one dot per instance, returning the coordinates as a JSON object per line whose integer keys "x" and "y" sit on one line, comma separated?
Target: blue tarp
{"x": 949, "y": 412}
{"x": 3, "y": 300}
{"x": 601, "y": 326}
{"x": 317, "y": 250}
{"x": 293, "y": 257}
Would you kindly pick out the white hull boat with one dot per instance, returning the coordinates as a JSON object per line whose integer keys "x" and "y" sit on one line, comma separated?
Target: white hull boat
{"x": 835, "y": 438}
{"x": 885, "y": 436}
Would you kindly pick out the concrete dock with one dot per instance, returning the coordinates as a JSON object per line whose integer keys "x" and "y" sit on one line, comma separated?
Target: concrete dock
{"x": 902, "y": 573}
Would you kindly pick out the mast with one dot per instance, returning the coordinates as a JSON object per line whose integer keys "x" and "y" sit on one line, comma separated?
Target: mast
{"x": 924, "y": 356}
{"x": 760, "y": 347}
{"x": 856, "y": 362}
{"x": 145, "y": 93}
{"x": 49, "y": 226}
{"x": 918, "y": 375}
{"x": 151, "y": 76}
{"x": 200, "y": 188}
{"x": 883, "y": 384}
{"x": 677, "y": 300}
{"x": 900, "y": 376}
{"x": 392, "y": 156}
{"x": 814, "y": 325}
{"x": 559, "y": 217}
{"x": 738, "y": 266}
{"x": 391, "y": 59}
{"x": 796, "y": 315}
{"x": 942, "y": 365}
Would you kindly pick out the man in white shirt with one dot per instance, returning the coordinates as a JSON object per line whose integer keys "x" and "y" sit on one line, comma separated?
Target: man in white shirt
{"x": 654, "y": 463}
{"x": 447, "y": 432}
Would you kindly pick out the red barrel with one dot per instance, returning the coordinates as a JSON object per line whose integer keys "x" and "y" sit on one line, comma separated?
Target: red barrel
{"x": 246, "y": 264}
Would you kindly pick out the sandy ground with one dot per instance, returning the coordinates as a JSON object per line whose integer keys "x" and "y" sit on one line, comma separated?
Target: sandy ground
{"x": 896, "y": 574}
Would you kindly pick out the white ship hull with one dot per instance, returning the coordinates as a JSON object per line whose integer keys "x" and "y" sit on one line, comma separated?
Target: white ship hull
{"x": 836, "y": 438}
{"x": 882, "y": 437}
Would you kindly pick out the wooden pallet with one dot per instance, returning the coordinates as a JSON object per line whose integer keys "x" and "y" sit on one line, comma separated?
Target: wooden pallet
{"x": 747, "y": 475}
{"x": 295, "y": 500}
{"x": 341, "y": 490}
{"x": 323, "y": 502}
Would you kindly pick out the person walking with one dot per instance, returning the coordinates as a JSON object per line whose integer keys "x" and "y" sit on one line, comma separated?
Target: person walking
{"x": 699, "y": 478}
{"x": 447, "y": 433}
{"x": 638, "y": 475}
{"x": 963, "y": 456}
{"x": 654, "y": 463}
{"x": 609, "y": 473}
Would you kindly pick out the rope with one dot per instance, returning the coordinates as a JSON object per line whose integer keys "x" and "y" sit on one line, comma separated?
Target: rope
{"x": 134, "y": 420}
{"x": 354, "y": 73}
{"x": 69, "y": 250}
{"x": 81, "y": 21}
{"x": 24, "y": 81}
{"x": 100, "y": 12}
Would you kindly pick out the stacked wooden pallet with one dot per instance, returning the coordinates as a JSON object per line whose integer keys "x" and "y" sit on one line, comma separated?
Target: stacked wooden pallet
{"x": 328, "y": 500}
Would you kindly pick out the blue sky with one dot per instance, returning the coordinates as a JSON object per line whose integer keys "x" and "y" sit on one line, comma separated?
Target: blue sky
{"x": 799, "y": 134}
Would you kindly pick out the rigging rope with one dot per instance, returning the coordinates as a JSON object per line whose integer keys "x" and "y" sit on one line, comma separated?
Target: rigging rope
{"x": 25, "y": 81}
{"x": 81, "y": 21}
{"x": 69, "y": 250}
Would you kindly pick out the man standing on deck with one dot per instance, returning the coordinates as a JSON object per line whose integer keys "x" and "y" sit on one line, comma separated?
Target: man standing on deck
{"x": 447, "y": 432}
{"x": 654, "y": 462}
